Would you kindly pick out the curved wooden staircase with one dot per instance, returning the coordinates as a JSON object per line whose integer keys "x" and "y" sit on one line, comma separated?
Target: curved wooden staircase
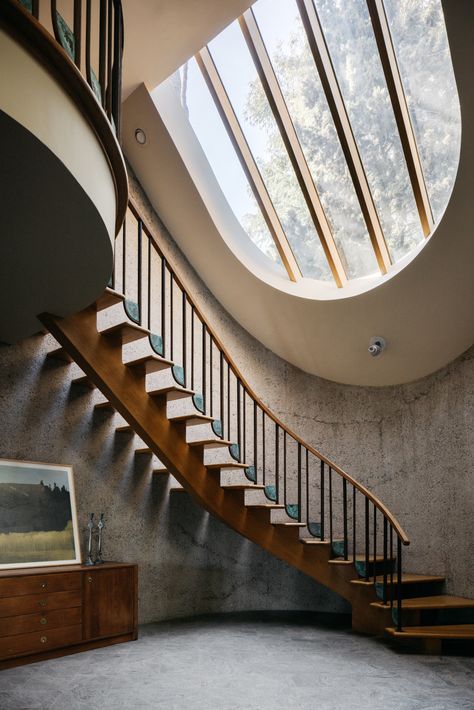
{"x": 157, "y": 362}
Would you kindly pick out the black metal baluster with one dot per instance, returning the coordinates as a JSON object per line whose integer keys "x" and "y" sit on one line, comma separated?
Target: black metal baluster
{"x": 375, "y": 541}
{"x": 399, "y": 584}
{"x": 163, "y": 306}
{"x": 244, "y": 425}
{"x": 239, "y": 422}
{"x": 35, "y": 9}
{"x": 228, "y": 401}
{"x": 108, "y": 93}
{"x": 391, "y": 566}
{"x": 77, "y": 32}
{"x": 124, "y": 257}
{"x": 385, "y": 530}
{"x": 277, "y": 462}
{"x": 322, "y": 500}
{"x": 299, "y": 482}
{"x": 103, "y": 48}
{"x": 284, "y": 467}
{"x": 330, "y": 507}
{"x": 139, "y": 272}
{"x": 116, "y": 91}
{"x": 221, "y": 374}
{"x": 192, "y": 346}
{"x": 203, "y": 374}
{"x": 171, "y": 315}
{"x": 264, "y": 467}
{"x": 149, "y": 284}
{"x": 211, "y": 390}
{"x": 255, "y": 455}
{"x": 344, "y": 509}
{"x": 308, "y": 517}
{"x": 367, "y": 539}
{"x": 185, "y": 378}
{"x": 354, "y": 545}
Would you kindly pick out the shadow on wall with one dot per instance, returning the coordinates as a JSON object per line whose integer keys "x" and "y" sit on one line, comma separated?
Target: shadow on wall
{"x": 190, "y": 563}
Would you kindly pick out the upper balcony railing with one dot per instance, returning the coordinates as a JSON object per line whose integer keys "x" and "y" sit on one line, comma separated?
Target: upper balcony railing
{"x": 92, "y": 35}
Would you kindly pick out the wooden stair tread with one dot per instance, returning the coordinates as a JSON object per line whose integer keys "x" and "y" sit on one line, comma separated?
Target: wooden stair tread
{"x": 83, "y": 381}
{"x": 407, "y": 578}
{"x": 290, "y": 523}
{"x": 104, "y": 405}
{"x": 191, "y": 418}
{"x": 359, "y": 558}
{"x": 59, "y": 353}
{"x": 166, "y": 389}
{"x": 448, "y": 631}
{"x": 271, "y": 506}
{"x": 310, "y": 541}
{"x": 109, "y": 298}
{"x": 159, "y": 363}
{"x": 210, "y": 442}
{"x": 439, "y": 601}
{"x": 243, "y": 486}
{"x": 226, "y": 464}
{"x": 128, "y": 330}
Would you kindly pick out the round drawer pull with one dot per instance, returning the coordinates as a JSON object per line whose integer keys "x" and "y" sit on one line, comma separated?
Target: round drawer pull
{"x": 43, "y": 639}
{"x": 89, "y": 579}
{"x": 43, "y": 602}
{"x": 44, "y": 585}
{"x": 43, "y": 620}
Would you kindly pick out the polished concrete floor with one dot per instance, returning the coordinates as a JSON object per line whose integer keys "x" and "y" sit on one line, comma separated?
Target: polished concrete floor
{"x": 243, "y": 663}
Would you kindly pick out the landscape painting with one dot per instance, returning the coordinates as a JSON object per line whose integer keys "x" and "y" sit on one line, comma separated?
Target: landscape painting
{"x": 38, "y": 519}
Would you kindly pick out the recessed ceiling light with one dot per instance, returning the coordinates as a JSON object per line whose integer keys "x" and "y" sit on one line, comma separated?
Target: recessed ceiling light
{"x": 140, "y": 136}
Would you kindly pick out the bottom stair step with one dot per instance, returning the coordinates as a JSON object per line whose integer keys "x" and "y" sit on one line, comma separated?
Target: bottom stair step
{"x": 454, "y": 631}
{"x": 438, "y": 601}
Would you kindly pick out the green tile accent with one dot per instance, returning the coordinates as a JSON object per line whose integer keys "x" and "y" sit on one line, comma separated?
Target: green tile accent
{"x": 292, "y": 510}
{"x": 338, "y": 548}
{"x": 315, "y": 529}
{"x": 66, "y": 37}
{"x": 234, "y": 451}
{"x": 198, "y": 402}
{"x": 156, "y": 343}
{"x": 178, "y": 374}
{"x": 271, "y": 493}
{"x": 250, "y": 474}
{"x": 28, "y": 4}
{"x": 95, "y": 85}
{"x": 217, "y": 427}
{"x": 132, "y": 310}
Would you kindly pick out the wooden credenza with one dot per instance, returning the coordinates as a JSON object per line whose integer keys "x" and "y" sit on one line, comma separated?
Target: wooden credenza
{"x": 47, "y": 612}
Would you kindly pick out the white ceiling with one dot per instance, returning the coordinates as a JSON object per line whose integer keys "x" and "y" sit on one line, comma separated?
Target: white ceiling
{"x": 425, "y": 312}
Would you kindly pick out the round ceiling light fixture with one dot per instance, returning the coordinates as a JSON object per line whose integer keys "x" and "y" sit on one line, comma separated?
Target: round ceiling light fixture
{"x": 140, "y": 136}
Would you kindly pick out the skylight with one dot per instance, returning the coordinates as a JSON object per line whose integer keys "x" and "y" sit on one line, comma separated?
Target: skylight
{"x": 332, "y": 128}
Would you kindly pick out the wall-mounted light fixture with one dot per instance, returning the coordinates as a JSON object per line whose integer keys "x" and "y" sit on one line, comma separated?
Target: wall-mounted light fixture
{"x": 140, "y": 136}
{"x": 377, "y": 345}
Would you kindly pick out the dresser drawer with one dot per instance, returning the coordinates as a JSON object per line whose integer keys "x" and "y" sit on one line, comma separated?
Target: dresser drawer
{"x": 39, "y": 583}
{"x": 16, "y": 606}
{"x": 39, "y": 641}
{"x": 14, "y": 625}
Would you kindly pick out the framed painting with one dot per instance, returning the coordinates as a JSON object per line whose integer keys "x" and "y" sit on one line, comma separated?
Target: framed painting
{"x": 38, "y": 517}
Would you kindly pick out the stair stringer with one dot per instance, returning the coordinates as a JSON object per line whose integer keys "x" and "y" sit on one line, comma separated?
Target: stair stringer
{"x": 100, "y": 357}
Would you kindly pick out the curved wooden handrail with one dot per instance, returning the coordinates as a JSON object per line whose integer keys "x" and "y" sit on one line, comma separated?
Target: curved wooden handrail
{"x": 362, "y": 489}
{"x": 21, "y": 25}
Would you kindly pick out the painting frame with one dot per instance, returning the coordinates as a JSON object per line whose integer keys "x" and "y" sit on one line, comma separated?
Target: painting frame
{"x": 65, "y": 473}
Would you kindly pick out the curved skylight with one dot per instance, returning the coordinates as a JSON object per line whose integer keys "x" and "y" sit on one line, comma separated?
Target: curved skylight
{"x": 332, "y": 128}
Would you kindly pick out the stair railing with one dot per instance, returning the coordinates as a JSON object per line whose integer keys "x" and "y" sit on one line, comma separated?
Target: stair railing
{"x": 303, "y": 484}
{"x": 94, "y": 43}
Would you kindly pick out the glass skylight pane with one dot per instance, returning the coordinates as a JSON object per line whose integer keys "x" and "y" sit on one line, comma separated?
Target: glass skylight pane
{"x": 239, "y": 76}
{"x": 215, "y": 142}
{"x": 419, "y": 36}
{"x": 287, "y": 45}
{"x": 351, "y": 43}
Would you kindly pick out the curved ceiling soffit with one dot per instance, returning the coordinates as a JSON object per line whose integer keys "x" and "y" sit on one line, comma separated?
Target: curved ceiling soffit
{"x": 424, "y": 311}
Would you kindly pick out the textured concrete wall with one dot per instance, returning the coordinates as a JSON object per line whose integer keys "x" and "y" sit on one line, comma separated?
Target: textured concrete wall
{"x": 413, "y": 445}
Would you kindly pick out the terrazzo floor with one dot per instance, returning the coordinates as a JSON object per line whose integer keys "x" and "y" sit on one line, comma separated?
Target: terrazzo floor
{"x": 241, "y": 663}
